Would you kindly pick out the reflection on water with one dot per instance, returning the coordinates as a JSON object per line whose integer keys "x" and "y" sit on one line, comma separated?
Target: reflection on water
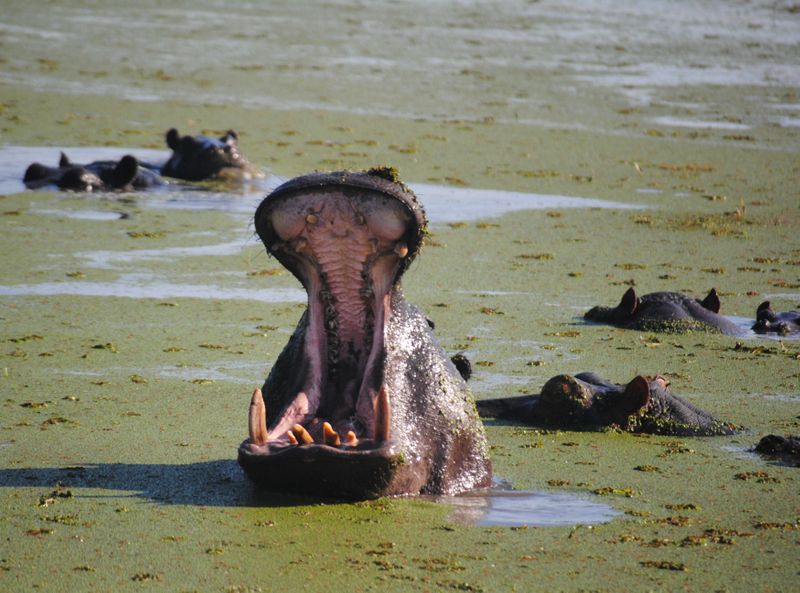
{"x": 512, "y": 508}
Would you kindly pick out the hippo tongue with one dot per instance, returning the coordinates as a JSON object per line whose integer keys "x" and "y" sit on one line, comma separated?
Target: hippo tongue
{"x": 348, "y": 240}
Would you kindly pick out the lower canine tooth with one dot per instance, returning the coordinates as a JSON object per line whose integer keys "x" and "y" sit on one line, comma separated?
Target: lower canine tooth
{"x": 401, "y": 249}
{"x": 292, "y": 439}
{"x": 383, "y": 416}
{"x": 301, "y": 434}
{"x": 257, "y": 422}
{"x": 350, "y": 439}
{"x": 329, "y": 436}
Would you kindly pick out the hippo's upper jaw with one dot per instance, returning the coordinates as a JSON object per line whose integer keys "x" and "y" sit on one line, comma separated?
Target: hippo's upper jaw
{"x": 349, "y": 408}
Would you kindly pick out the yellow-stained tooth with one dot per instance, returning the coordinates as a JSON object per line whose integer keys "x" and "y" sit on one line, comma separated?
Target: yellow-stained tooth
{"x": 350, "y": 439}
{"x": 383, "y": 416}
{"x": 257, "y": 421}
{"x": 292, "y": 439}
{"x": 301, "y": 434}
{"x": 330, "y": 436}
{"x": 312, "y": 219}
{"x": 401, "y": 249}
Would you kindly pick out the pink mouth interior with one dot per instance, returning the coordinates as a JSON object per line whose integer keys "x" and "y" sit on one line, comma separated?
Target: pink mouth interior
{"x": 346, "y": 247}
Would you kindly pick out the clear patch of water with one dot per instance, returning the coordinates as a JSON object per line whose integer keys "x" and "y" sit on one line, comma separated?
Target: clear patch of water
{"x": 81, "y": 214}
{"x": 517, "y": 508}
{"x": 142, "y": 289}
{"x": 108, "y": 259}
{"x": 676, "y": 122}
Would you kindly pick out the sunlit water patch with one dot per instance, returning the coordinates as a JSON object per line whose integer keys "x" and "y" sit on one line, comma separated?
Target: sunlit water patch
{"x": 81, "y": 214}
{"x": 516, "y": 508}
{"x": 136, "y": 287}
{"x": 677, "y": 122}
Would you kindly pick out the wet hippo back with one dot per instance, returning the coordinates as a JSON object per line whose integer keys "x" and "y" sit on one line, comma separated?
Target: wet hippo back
{"x": 666, "y": 312}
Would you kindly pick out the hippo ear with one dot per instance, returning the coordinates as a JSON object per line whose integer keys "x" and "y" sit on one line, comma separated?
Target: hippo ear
{"x": 230, "y": 137}
{"x": 711, "y": 302}
{"x": 125, "y": 171}
{"x": 173, "y": 138}
{"x": 636, "y": 397}
{"x": 36, "y": 174}
{"x": 64, "y": 161}
{"x": 629, "y": 302}
{"x": 764, "y": 311}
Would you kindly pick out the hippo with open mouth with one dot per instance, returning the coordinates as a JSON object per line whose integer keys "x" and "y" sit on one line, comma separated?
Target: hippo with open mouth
{"x": 126, "y": 174}
{"x": 587, "y": 401}
{"x": 671, "y": 312}
{"x": 362, "y": 402}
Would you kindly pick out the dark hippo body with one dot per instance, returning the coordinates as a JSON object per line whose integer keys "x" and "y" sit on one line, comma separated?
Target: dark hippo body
{"x": 198, "y": 158}
{"x": 768, "y": 321}
{"x": 127, "y": 174}
{"x": 665, "y": 312}
{"x": 787, "y": 448}
{"x": 363, "y": 381}
{"x": 588, "y": 401}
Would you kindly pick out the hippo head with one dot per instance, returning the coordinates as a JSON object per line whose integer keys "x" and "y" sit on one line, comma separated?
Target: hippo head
{"x": 195, "y": 158}
{"x": 96, "y": 176}
{"x": 645, "y": 404}
{"x": 618, "y": 315}
{"x": 362, "y": 402}
{"x": 768, "y": 321}
{"x": 665, "y": 312}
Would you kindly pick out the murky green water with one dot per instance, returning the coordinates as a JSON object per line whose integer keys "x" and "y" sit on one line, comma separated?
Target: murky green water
{"x": 564, "y": 152}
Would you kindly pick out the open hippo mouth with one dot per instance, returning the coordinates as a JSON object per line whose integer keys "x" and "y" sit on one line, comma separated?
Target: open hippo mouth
{"x": 324, "y": 422}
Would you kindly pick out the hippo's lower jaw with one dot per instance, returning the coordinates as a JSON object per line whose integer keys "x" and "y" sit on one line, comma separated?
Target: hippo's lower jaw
{"x": 362, "y": 402}
{"x": 364, "y": 471}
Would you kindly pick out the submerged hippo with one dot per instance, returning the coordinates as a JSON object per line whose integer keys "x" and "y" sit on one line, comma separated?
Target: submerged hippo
{"x": 127, "y": 174}
{"x": 786, "y": 448}
{"x": 666, "y": 312}
{"x": 197, "y": 158}
{"x": 586, "y": 401}
{"x": 768, "y": 321}
{"x": 362, "y": 402}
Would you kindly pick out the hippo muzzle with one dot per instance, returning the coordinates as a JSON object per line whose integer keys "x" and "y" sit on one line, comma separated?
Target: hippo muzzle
{"x": 362, "y": 402}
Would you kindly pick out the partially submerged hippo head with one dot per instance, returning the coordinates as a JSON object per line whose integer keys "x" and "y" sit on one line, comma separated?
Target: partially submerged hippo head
{"x": 587, "y": 401}
{"x": 123, "y": 175}
{"x": 768, "y": 321}
{"x": 362, "y": 402}
{"x": 197, "y": 158}
{"x": 665, "y": 312}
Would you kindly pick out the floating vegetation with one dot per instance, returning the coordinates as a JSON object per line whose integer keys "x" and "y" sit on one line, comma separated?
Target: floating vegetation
{"x": 611, "y": 490}
{"x": 664, "y": 564}
{"x": 760, "y": 476}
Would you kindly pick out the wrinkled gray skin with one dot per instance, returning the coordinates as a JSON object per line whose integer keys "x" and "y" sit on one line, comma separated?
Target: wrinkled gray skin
{"x": 197, "y": 158}
{"x": 127, "y": 174}
{"x": 768, "y": 321}
{"x": 665, "y": 312}
{"x": 587, "y": 401}
{"x": 425, "y": 435}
